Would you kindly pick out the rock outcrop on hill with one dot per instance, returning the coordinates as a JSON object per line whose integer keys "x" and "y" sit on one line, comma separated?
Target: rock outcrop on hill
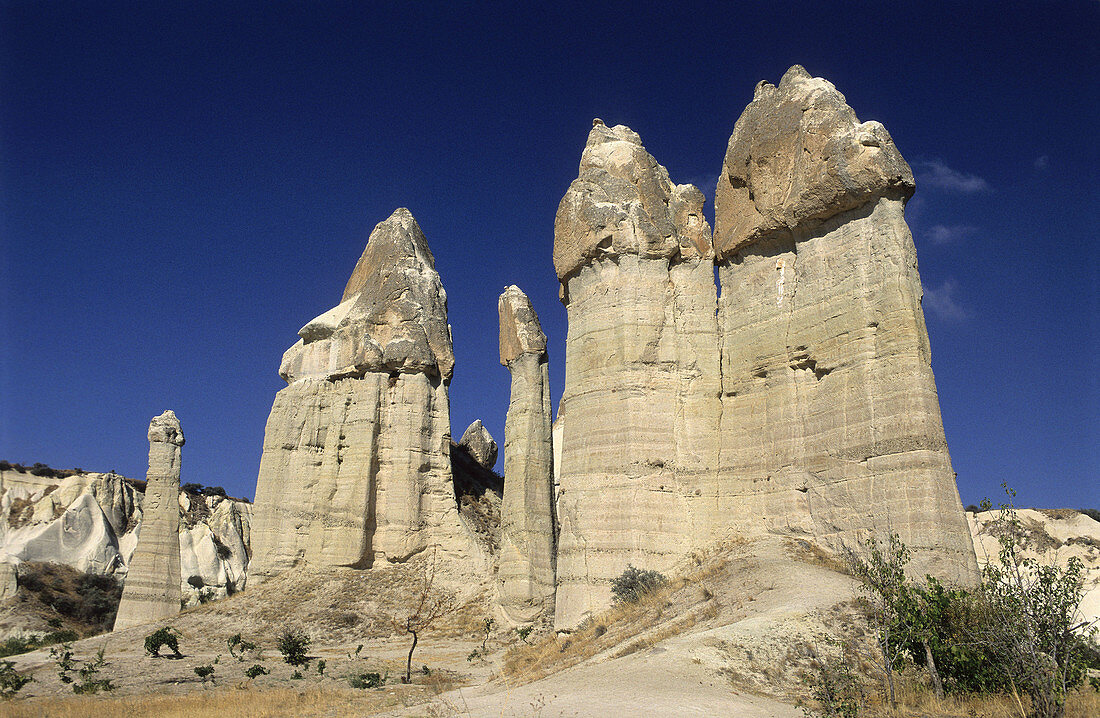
{"x": 830, "y": 419}
{"x": 92, "y": 521}
{"x": 526, "y": 572}
{"x": 632, "y": 251}
{"x": 479, "y": 443}
{"x": 356, "y": 459}
{"x": 152, "y": 589}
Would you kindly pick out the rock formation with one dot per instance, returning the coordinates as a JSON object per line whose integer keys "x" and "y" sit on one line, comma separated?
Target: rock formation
{"x": 830, "y": 422}
{"x": 479, "y": 443}
{"x": 632, "y": 251}
{"x": 91, "y": 522}
{"x": 526, "y": 568}
{"x": 356, "y": 457}
{"x": 152, "y": 589}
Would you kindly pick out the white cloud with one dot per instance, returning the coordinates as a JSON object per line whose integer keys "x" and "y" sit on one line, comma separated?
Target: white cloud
{"x": 941, "y": 301}
{"x": 935, "y": 173}
{"x": 947, "y": 233}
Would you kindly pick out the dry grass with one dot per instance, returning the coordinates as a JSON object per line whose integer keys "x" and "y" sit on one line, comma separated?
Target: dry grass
{"x": 916, "y": 700}
{"x": 811, "y": 553}
{"x": 669, "y": 610}
{"x": 226, "y": 703}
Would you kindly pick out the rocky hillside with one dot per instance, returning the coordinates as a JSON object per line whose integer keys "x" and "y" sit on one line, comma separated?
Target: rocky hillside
{"x": 92, "y": 521}
{"x": 1051, "y": 536}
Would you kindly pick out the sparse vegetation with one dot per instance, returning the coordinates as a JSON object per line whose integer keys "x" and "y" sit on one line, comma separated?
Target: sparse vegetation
{"x": 15, "y": 645}
{"x": 238, "y": 647}
{"x": 1020, "y": 631}
{"x": 11, "y": 680}
{"x": 256, "y": 670}
{"x": 88, "y": 602}
{"x": 294, "y": 644}
{"x": 166, "y": 637}
{"x": 366, "y": 680}
{"x": 88, "y": 671}
{"x": 633, "y": 583}
{"x": 430, "y": 604}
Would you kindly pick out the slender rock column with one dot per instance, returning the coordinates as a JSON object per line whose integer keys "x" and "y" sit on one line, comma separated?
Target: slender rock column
{"x": 152, "y": 588}
{"x": 526, "y": 572}
{"x": 641, "y": 399}
{"x": 830, "y": 419}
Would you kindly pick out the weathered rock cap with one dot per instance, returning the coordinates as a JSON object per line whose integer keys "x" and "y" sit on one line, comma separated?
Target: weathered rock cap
{"x": 623, "y": 202}
{"x": 479, "y": 443}
{"x": 799, "y": 155}
{"x": 392, "y": 317}
{"x": 520, "y": 331}
{"x": 166, "y": 429}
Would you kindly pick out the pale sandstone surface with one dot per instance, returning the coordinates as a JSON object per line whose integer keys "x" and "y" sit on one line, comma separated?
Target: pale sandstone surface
{"x": 152, "y": 589}
{"x": 1052, "y": 538}
{"x": 92, "y": 522}
{"x": 356, "y": 458}
{"x": 526, "y": 573}
{"x": 632, "y": 251}
{"x": 480, "y": 444}
{"x": 830, "y": 419}
{"x": 799, "y": 154}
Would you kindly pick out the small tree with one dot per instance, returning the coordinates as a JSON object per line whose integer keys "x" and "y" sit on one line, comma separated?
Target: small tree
{"x": 294, "y": 645}
{"x": 1035, "y": 627}
{"x": 430, "y": 604}
{"x": 166, "y": 637}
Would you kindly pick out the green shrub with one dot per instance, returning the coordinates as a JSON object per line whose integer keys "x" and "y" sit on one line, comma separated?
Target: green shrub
{"x": 195, "y": 581}
{"x": 366, "y": 680}
{"x": 321, "y": 664}
{"x": 11, "y": 680}
{"x": 256, "y": 670}
{"x": 166, "y": 637}
{"x": 296, "y": 676}
{"x": 238, "y": 646}
{"x": 634, "y": 583}
{"x": 293, "y": 644}
{"x": 206, "y": 673}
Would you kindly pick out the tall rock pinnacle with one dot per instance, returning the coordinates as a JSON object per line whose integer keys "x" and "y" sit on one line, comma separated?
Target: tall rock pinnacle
{"x": 640, "y": 407}
{"x": 830, "y": 419}
{"x": 152, "y": 588}
{"x": 356, "y": 461}
{"x": 526, "y": 572}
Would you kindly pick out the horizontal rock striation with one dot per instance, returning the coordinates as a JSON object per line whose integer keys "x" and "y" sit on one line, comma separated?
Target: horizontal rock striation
{"x": 526, "y": 571}
{"x": 632, "y": 251}
{"x": 356, "y": 459}
{"x": 830, "y": 418}
{"x": 152, "y": 589}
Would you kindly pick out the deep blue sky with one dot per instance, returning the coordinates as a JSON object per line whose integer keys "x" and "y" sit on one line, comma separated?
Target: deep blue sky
{"x": 183, "y": 186}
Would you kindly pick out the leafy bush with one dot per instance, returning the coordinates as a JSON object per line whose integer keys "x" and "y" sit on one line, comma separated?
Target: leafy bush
{"x": 166, "y": 637}
{"x": 1093, "y": 514}
{"x": 206, "y": 673}
{"x": 195, "y": 581}
{"x": 14, "y": 646}
{"x": 634, "y": 583}
{"x": 11, "y": 680}
{"x": 256, "y": 670}
{"x": 321, "y": 664}
{"x": 87, "y": 670}
{"x": 296, "y": 676}
{"x": 835, "y": 689}
{"x": 85, "y": 598}
{"x": 293, "y": 644}
{"x": 191, "y": 488}
{"x": 366, "y": 680}
{"x": 238, "y": 646}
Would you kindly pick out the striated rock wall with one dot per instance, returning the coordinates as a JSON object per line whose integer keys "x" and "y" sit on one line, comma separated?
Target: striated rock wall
{"x": 356, "y": 459}
{"x": 632, "y": 251}
{"x": 830, "y": 419}
{"x": 152, "y": 589}
{"x": 526, "y": 572}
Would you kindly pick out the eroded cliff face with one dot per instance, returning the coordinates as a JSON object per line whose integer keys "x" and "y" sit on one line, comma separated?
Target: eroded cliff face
{"x": 526, "y": 571}
{"x": 830, "y": 418}
{"x": 356, "y": 460}
{"x": 801, "y": 400}
{"x": 632, "y": 251}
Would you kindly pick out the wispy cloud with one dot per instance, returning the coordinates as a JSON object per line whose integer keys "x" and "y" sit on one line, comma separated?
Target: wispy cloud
{"x": 941, "y": 301}
{"x": 948, "y": 233}
{"x": 935, "y": 173}
{"x": 1042, "y": 162}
